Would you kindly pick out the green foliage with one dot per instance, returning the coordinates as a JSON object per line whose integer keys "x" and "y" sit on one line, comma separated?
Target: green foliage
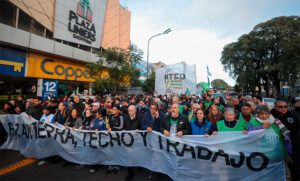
{"x": 266, "y": 56}
{"x": 149, "y": 84}
{"x": 115, "y": 68}
{"x": 219, "y": 84}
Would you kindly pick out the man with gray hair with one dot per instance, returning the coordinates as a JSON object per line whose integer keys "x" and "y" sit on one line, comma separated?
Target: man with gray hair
{"x": 175, "y": 123}
{"x": 133, "y": 119}
{"x": 175, "y": 99}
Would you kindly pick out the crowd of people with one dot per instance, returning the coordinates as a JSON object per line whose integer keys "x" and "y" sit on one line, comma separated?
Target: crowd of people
{"x": 176, "y": 115}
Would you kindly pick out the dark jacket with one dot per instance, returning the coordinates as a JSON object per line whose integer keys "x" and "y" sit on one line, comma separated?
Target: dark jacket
{"x": 77, "y": 123}
{"x": 79, "y": 106}
{"x": 133, "y": 124}
{"x": 86, "y": 122}
{"x": 116, "y": 123}
{"x": 149, "y": 121}
{"x": 183, "y": 124}
{"x": 291, "y": 123}
{"x": 36, "y": 111}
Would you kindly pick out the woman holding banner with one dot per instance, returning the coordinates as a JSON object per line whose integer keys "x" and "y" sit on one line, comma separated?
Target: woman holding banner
{"x": 230, "y": 123}
{"x": 265, "y": 120}
{"x": 214, "y": 115}
{"x": 74, "y": 120}
{"x": 199, "y": 125}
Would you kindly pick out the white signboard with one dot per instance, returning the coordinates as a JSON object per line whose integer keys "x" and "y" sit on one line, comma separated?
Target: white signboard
{"x": 80, "y": 21}
{"x": 176, "y": 79}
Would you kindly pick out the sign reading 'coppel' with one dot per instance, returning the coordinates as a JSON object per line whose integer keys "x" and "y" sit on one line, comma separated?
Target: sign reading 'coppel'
{"x": 54, "y": 68}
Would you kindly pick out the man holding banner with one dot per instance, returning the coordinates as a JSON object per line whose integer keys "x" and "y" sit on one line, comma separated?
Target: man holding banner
{"x": 175, "y": 123}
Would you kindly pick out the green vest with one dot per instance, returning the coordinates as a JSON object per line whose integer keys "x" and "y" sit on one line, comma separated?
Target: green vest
{"x": 221, "y": 107}
{"x": 244, "y": 122}
{"x": 180, "y": 108}
{"x": 207, "y": 104}
{"x": 222, "y": 127}
{"x": 255, "y": 123}
{"x": 192, "y": 118}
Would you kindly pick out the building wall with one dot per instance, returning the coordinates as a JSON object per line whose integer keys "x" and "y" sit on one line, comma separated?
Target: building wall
{"x": 116, "y": 29}
{"x": 42, "y": 11}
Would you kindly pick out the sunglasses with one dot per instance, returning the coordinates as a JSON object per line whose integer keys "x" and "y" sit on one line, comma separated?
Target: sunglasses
{"x": 281, "y": 107}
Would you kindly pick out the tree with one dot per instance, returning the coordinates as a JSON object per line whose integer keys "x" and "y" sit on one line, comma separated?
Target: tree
{"x": 267, "y": 56}
{"x": 219, "y": 84}
{"x": 115, "y": 69}
{"x": 149, "y": 84}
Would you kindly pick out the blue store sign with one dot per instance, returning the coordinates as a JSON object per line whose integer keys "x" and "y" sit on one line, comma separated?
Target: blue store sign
{"x": 12, "y": 61}
{"x": 49, "y": 88}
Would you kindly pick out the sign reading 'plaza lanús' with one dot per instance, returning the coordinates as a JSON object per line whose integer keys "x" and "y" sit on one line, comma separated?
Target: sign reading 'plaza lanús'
{"x": 80, "y": 21}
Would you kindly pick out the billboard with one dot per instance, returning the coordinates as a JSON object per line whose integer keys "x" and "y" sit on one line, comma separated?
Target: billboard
{"x": 176, "y": 79}
{"x": 80, "y": 21}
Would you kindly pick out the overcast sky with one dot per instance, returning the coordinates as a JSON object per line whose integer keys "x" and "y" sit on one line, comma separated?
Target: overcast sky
{"x": 200, "y": 28}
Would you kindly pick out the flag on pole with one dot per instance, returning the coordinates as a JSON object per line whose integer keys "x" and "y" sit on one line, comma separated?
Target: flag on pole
{"x": 208, "y": 72}
{"x": 208, "y": 82}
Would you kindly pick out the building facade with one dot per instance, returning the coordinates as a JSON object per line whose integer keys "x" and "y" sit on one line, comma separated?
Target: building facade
{"x": 45, "y": 45}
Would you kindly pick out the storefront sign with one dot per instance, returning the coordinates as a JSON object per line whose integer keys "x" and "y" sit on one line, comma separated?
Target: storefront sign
{"x": 12, "y": 61}
{"x": 84, "y": 20}
{"x": 53, "y": 68}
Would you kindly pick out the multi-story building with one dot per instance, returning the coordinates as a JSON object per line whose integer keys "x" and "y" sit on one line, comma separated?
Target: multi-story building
{"x": 45, "y": 45}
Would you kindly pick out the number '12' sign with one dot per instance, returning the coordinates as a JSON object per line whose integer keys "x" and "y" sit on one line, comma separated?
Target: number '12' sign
{"x": 49, "y": 89}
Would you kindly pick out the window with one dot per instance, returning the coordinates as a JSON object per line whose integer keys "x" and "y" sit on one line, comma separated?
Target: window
{"x": 28, "y": 24}
{"x": 7, "y": 13}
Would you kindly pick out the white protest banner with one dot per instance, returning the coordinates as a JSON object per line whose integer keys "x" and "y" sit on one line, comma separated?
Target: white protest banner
{"x": 175, "y": 79}
{"x": 226, "y": 156}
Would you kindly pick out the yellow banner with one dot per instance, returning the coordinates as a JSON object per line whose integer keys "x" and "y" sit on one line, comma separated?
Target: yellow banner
{"x": 43, "y": 66}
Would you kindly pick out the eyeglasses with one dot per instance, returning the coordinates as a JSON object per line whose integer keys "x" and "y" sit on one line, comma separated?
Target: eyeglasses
{"x": 281, "y": 107}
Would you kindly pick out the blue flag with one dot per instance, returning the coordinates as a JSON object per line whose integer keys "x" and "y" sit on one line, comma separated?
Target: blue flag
{"x": 208, "y": 72}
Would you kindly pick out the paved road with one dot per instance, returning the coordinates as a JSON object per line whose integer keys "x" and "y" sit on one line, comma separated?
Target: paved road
{"x": 55, "y": 171}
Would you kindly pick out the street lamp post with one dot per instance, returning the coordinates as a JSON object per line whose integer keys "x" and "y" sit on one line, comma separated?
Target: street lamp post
{"x": 165, "y": 32}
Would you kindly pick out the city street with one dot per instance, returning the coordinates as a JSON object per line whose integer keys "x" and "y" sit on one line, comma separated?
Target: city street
{"x": 55, "y": 171}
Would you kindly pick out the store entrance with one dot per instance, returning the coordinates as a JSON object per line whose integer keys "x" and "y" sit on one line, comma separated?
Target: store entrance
{"x": 72, "y": 87}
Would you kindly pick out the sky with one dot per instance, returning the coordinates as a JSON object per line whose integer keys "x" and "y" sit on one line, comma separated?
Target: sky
{"x": 200, "y": 28}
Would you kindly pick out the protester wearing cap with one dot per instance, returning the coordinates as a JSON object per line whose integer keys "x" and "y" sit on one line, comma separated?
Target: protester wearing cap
{"x": 95, "y": 107}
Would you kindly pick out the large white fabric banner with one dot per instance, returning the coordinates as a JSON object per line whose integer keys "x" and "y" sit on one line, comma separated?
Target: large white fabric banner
{"x": 226, "y": 156}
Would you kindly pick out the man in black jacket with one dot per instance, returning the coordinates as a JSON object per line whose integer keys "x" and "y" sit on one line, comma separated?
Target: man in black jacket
{"x": 36, "y": 110}
{"x": 132, "y": 122}
{"x": 115, "y": 122}
{"x": 291, "y": 122}
{"x": 133, "y": 119}
{"x": 77, "y": 104}
{"x": 175, "y": 123}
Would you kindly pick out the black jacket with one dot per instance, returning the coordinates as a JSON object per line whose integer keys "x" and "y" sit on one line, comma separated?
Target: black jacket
{"x": 79, "y": 106}
{"x": 182, "y": 124}
{"x": 133, "y": 124}
{"x": 36, "y": 111}
{"x": 290, "y": 121}
{"x": 116, "y": 123}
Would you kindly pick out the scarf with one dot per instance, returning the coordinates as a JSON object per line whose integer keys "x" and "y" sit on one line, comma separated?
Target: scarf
{"x": 283, "y": 130}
